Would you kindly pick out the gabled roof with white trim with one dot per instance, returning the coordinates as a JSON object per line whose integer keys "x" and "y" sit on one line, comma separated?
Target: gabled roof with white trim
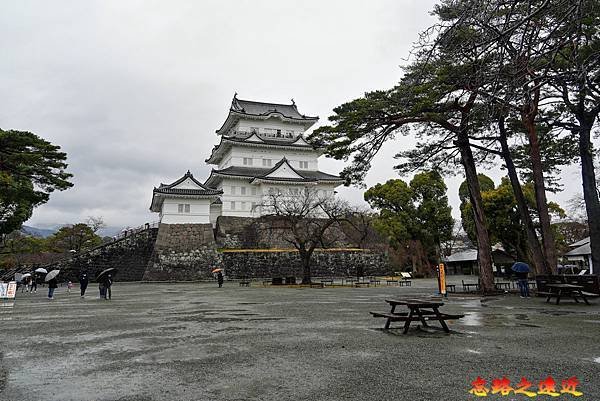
{"x": 281, "y": 172}
{"x": 185, "y": 187}
{"x": 261, "y": 111}
{"x": 253, "y": 140}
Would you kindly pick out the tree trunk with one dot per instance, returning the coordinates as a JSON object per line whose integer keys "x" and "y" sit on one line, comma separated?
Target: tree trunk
{"x": 528, "y": 118}
{"x": 305, "y": 261}
{"x": 590, "y": 192}
{"x": 537, "y": 257}
{"x": 484, "y": 248}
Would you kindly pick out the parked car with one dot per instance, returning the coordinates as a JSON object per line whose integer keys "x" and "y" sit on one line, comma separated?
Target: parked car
{"x": 569, "y": 269}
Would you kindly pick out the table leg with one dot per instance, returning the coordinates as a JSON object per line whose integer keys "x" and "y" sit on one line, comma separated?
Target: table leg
{"x": 407, "y": 323}
{"x": 389, "y": 321}
{"x": 418, "y": 310}
{"x": 574, "y": 295}
{"x": 558, "y": 296}
{"x": 441, "y": 320}
{"x": 550, "y": 293}
{"x": 584, "y": 298}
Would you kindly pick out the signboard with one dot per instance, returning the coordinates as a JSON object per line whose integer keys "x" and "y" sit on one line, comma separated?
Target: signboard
{"x": 442, "y": 278}
{"x": 8, "y": 290}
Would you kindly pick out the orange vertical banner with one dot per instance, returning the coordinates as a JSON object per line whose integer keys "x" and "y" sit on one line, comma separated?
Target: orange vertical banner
{"x": 442, "y": 278}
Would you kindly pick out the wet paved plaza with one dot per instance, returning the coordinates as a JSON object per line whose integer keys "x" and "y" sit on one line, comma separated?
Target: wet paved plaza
{"x": 197, "y": 342}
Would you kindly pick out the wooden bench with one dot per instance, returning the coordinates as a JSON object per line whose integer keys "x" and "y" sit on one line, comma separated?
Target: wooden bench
{"x": 502, "y": 285}
{"x": 451, "y": 287}
{"x": 245, "y": 283}
{"x": 394, "y": 281}
{"x": 467, "y": 286}
{"x": 358, "y": 284}
{"x": 375, "y": 281}
{"x": 327, "y": 281}
{"x": 317, "y": 285}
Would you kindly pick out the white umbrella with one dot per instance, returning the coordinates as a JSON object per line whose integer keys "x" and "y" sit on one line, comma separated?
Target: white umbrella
{"x": 26, "y": 275}
{"x": 51, "y": 275}
{"x": 41, "y": 270}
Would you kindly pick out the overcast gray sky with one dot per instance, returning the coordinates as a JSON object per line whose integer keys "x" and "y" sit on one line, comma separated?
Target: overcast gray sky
{"x": 134, "y": 90}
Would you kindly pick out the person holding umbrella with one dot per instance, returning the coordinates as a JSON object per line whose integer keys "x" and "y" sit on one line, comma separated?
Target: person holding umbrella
{"x": 40, "y": 270}
{"x": 522, "y": 271}
{"x": 52, "y": 282}
{"x": 105, "y": 280}
{"x": 219, "y": 276}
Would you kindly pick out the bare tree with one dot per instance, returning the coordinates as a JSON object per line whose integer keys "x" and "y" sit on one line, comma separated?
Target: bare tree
{"x": 305, "y": 221}
{"x": 96, "y": 223}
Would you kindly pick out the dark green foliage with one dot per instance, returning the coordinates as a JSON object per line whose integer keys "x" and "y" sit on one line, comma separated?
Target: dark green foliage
{"x": 30, "y": 169}
{"x": 77, "y": 237}
{"x": 418, "y": 212}
{"x": 504, "y": 221}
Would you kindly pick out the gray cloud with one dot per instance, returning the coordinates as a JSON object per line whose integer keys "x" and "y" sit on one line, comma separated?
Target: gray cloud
{"x": 133, "y": 90}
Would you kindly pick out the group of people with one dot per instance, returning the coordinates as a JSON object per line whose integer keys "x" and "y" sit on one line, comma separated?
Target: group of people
{"x": 104, "y": 285}
{"x": 29, "y": 284}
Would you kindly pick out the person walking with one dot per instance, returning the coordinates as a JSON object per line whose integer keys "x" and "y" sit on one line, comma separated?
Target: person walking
{"x": 220, "y": 279}
{"x": 52, "y": 285}
{"x": 522, "y": 272}
{"x": 523, "y": 283}
{"x": 33, "y": 283}
{"x": 108, "y": 281}
{"x": 102, "y": 289}
{"x": 83, "y": 282}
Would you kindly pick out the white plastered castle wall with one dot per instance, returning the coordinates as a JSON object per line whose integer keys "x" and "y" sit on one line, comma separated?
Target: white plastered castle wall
{"x": 199, "y": 211}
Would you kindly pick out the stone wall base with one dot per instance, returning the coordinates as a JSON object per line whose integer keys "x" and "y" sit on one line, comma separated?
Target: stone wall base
{"x": 324, "y": 263}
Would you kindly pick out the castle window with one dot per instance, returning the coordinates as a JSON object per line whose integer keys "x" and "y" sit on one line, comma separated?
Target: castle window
{"x": 183, "y": 208}
{"x": 247, "y": 161}
{"x": 266, "y": 162}
{"x": 243, "y": 207}
{"x": 243, "y": 190}
{"x": 232, "y": 205}
{"x": 232, "y": 190}
{"x": 253, "y": 191}
{"x": 289, "y": 134}
{"x": 303, "y": 164}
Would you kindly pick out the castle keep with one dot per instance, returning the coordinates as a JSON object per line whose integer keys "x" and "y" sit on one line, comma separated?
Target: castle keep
{"x": 203, "y": 225}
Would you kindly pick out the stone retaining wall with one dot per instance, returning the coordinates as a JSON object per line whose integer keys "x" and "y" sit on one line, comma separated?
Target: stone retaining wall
{"x": 183, "y": 252}
{"x": 324, "y": 263}
{"x": 129, "y": 254}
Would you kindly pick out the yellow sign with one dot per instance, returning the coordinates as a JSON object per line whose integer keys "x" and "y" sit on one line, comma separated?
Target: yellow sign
{"x": 442, "y": 273}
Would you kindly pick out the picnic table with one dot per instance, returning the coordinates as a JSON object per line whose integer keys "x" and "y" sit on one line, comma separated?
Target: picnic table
{"x": 419, "y": 310}
{"x": 559, "y": 290}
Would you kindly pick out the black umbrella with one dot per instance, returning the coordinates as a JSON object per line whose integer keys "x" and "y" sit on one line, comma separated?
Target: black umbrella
{"x": 112, "y": 270}
{"x": 520, "y": 267}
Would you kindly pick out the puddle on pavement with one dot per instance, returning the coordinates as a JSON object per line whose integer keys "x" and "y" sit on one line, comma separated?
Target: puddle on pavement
{"x": 472, "y": 319}
{"x": 473, "y": 351}
{"x": 597, "y": 360}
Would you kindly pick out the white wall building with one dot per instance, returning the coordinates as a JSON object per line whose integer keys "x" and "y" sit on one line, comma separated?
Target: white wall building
{"x": 184, "y": 201}
{"x": 261, "y": 151}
